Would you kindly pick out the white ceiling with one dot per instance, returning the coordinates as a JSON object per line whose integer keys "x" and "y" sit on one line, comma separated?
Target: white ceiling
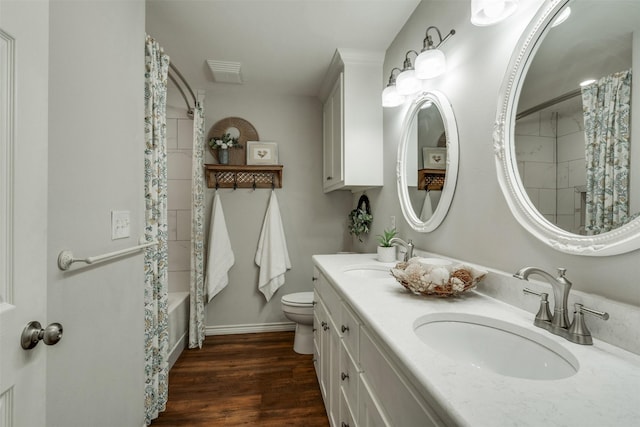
{"x": 284, "y": 46}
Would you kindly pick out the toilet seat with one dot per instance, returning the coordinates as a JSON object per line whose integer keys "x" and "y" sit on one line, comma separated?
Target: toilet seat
{"x": 298, "y": 299}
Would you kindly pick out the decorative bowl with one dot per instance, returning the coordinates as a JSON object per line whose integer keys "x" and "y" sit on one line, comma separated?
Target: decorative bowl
{"x": 438, "y": 280}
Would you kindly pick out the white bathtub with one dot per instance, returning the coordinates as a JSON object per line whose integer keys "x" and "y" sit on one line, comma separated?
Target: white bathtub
{"x": 178, "y": 324}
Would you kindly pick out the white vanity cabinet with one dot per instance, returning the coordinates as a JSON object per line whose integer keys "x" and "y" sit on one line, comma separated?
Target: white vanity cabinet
{"x": 352, "y": 121}
{"x": 360, "y": 382}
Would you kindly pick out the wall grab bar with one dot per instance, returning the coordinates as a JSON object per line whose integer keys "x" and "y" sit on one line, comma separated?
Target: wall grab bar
{"x": 65, "y": 258}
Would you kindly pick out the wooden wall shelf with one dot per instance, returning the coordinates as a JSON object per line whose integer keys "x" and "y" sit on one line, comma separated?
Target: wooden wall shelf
{"x": 431, "y": 179}
{"x": 243, "y": 176}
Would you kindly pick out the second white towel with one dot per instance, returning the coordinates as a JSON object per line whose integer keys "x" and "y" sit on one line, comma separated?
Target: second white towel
{"x": 220, "y": 258}
{"x": 272, "y": 255}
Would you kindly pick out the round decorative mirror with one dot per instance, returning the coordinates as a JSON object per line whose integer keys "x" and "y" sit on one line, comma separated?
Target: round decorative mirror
{"x": 427, "y": 167}
{"x": 564, "y": 157}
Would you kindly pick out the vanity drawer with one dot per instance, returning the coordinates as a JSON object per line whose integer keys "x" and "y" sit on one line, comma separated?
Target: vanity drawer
{"x": 402, "y": 405}
{"x": 329, "y": 296}
{"x": 347, "y": 418}
{"x": 349, "y": 377}
{"x": 350, "y": 329}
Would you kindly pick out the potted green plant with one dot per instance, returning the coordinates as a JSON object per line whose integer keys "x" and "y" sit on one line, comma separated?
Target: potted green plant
{"x": 386, "y": 251}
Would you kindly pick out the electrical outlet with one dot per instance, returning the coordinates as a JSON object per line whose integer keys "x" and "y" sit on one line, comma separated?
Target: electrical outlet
{"x": 392, "y": 221}
{"x": 120, "y": 225}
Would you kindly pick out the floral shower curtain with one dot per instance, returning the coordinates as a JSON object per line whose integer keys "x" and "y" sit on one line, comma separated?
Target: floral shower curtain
{"x": 197, "y": 290}
{"x": 156, "y": 340}
{"x": 606, "y": 108}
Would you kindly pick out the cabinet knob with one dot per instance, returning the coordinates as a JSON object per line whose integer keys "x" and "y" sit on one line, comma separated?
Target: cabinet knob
{"x": 323, "y": 324}
{"x": 344, "y": 376}
{"x": 329, "y": 178}
{"x": 344, "y": 329}
{"x": 313, "y": 279}
{"x": 343, "y": 424}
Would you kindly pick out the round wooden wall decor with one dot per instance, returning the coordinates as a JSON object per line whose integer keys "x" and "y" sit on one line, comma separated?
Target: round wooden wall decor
{"x": 239, "y": 128}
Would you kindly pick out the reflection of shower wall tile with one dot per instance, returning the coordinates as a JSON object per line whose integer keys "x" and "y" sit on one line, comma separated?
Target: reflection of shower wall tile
{"x": 540, "y": 175}
{"x": 547, "y": 202}
{"x": 172, "y": 134}
{"x": 577, "y": 173}
{"x": 535, "y": 149}
{"x": 571, "y": 123}
{"x": 563, "y": 175}
{"x": 566, "y": 202}
{"x": 571, "y": 147}
{"x": 548, "y": 124}
{"x": 534, "y": 195}
{"x": 565, "y": 222}
{"x": 521, "y": 170}
{"x": 529, "y": 125}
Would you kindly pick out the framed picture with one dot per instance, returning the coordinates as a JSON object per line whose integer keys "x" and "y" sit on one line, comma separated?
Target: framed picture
{"x": 434, "y": 158}
{"x": 262, "y": 153}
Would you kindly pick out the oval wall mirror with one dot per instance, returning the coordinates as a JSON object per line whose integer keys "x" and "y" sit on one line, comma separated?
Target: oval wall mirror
{"x": 564, "y": 154}
{"x": 427, "y": 167}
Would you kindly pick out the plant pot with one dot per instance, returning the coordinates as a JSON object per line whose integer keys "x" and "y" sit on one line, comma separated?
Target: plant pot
{"x": 386, "y": 254}
{"x": 223, "y": 156}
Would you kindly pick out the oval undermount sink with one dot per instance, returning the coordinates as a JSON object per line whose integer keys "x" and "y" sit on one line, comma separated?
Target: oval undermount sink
{"x": 371, "y": 271}
{"x": 497, "y": 346}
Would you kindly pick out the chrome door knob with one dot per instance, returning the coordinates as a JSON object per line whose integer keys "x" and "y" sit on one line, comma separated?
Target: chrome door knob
{"x": 33, "y": 333}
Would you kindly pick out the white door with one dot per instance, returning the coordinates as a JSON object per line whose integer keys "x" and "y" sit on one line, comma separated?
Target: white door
{"x": 23, "y": 207}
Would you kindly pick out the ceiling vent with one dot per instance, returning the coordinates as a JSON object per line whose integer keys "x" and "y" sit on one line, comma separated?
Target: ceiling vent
{"x": 225, "y": 71}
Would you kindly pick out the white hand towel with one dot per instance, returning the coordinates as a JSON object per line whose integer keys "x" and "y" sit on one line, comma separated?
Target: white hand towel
{"x": 220, "y": 258}
{"x": 272, "y": 255}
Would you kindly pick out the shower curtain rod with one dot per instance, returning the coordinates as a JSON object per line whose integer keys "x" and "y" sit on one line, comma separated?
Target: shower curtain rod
{"x": 549, "y": 103}
{"x": 175, "y": 70}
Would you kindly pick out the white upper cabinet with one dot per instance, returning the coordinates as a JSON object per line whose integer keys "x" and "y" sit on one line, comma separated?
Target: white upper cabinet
{"x": 352, "y": 121}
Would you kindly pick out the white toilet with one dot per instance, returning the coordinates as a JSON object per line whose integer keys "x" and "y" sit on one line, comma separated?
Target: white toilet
{"x": 298, "y": 307}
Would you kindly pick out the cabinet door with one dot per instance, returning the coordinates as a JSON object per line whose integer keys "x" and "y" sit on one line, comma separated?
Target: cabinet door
{"x": 333, "y": 136}
{"x": 333, "y": 381}
{"x": 371, "y": 414}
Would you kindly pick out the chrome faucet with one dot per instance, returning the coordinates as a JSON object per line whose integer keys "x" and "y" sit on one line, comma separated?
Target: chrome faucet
{"x": 407, "y": 245}
{"x": 561, "y": 287}
{"x": 558, "y": 323}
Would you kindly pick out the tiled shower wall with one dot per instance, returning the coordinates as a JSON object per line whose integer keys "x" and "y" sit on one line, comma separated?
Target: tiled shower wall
{"x": 179, "y": 153}
{"x": 551, "y": 162}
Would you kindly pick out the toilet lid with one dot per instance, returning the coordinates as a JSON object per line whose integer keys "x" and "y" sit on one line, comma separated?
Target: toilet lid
{"x": 298, "y": 299}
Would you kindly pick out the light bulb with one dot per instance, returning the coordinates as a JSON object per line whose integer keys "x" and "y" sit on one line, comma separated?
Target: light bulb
{"x": 407, "y": 83}
{"x": 430, "y": 63}
{"x": 391, "y": 97}
{"x": 489, "y": 12}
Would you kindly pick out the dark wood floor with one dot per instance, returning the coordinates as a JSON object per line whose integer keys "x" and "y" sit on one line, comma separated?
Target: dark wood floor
{"x": 244, "y": 380}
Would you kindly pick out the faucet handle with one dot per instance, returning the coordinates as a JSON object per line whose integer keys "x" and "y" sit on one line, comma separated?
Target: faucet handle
{"x": 543, "y": 317}
{"x": 578, "y": 331}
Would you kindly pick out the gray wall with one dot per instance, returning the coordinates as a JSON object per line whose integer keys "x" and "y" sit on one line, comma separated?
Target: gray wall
{"x": 313, "y": 222}
{"x": 479, "y": 227}
{"x": 96, "y": 142}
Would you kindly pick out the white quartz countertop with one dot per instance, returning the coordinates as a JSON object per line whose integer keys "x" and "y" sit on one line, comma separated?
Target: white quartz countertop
{"x": 604, "y": 392}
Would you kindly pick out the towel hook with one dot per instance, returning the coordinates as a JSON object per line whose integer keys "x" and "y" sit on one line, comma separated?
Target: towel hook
{"x": 217, "y": 183}
{"x": 254, "y": 182}
{"x": 273, "y": 179}
{"x": 235, "y": 180}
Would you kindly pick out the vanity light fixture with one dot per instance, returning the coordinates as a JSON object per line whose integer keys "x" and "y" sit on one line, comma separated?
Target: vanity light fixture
{"x": 562, "y": 17}
{"x": 587, "y": 82}
{"x": 407, "y": 83}
{"x": 431, "y": 62}
{"x": 390, "y": 95}
{"x": 489, "y": 12}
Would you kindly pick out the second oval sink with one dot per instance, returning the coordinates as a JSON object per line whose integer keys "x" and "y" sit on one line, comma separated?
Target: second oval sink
{"x": 497, "y": 346}
{"x": 369, "y": 271}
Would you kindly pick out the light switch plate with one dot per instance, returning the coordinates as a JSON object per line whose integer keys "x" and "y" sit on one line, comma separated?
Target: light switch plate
{"x": 120, "y": 225}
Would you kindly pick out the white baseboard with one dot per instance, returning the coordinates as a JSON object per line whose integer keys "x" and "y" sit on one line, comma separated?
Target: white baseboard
{"x": 250, "y": 328}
